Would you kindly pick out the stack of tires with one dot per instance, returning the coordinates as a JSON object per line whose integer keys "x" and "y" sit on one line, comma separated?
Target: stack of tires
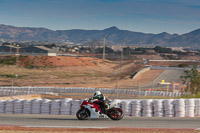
{"x": 27, "y": 106}
{"x": 190, "y": 107}
{"x": 126, "y": 107}
{"x": 136, "y": 108}
{"x": 65, "y": 108}
{"x": 147, "y": 108}
{"x": 158, "y": 108}
{"x": 179, "y": 108}
{"x": 169, "y": 107}
{"x": 46, "y": 105}
{"x": 2, "y": 106}
{"x": 18, "y": 106}
{"x": 36, "y": 106}
{"x": 197, "y": 107}
{"x": 55, "y": 107}
{"x": 75, "y": 106}
{"x": 9, "y": 108}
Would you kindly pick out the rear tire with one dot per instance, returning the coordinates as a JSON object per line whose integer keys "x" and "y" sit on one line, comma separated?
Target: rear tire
{"x": 83, "y": 114}
{"x": 116, "y": 114}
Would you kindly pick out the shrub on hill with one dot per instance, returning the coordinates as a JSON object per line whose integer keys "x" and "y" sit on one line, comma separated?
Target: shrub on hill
{"x": 8, "y": 60}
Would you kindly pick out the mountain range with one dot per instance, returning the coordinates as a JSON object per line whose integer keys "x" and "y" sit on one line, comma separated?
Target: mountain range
{"x": 113, "y": 34}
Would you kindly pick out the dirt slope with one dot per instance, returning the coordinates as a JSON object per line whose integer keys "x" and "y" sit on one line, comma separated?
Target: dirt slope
{"x": 59, "y": 61}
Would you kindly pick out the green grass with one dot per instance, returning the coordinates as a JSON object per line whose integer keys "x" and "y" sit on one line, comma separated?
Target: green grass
{"x": 12, "y": 76}
{"x": 191, "y": 96}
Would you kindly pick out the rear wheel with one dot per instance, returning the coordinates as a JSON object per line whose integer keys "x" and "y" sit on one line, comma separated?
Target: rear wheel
{"x": 115, "y": 114}
{"x": 83, "y": 114}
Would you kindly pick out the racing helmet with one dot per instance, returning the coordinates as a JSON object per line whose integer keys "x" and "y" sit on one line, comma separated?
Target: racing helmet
{"x": 97, "y": 93}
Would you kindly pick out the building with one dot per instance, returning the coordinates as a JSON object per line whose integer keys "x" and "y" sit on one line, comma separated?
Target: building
{"x": 37, "y": 50}
{"x": 31, "y": 50}
{"x": 9, "y": 50}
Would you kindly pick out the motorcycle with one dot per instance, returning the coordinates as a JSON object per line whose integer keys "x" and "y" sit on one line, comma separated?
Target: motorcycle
{"x": 91, "y": 110}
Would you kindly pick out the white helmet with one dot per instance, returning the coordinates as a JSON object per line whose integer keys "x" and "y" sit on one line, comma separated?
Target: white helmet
{"x": 97, "y": 93}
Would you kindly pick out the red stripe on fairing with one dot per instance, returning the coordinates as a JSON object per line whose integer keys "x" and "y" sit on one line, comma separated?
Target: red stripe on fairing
{"x": 96, "y": 106}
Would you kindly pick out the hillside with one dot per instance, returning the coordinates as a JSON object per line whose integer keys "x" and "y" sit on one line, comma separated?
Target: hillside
{"x": 57, "y": 61}
{"x": 64, "y": 72}
{"x": 114, "y": 36}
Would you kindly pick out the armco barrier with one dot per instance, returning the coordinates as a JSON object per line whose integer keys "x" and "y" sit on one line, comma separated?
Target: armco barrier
{"x": 11, "y": 91}
{"x": 132, "y": 107}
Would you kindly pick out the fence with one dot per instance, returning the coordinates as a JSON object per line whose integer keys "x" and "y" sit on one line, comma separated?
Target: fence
{"x": 133, "y": 107}
{"x": 11, "y": 91}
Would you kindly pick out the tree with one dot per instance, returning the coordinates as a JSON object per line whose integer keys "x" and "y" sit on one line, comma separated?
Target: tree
{"x": 108, "y": 50}
{"x": 192, "y": 80}
{"x": 162, "y": 50}
{"x": 183, "y": 65}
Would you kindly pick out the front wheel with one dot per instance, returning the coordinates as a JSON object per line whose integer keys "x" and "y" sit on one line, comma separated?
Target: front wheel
{"x": 83, "y": 114}
{"x": 116, "y": 114}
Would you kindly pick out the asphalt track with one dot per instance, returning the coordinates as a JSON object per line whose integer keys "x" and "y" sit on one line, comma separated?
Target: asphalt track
{"x": 66, "y": 121}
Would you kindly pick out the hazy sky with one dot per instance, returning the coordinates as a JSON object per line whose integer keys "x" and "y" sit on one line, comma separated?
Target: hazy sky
{"x": 149, "y": 16}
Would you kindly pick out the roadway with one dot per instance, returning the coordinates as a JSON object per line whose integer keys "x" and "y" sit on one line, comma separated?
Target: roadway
{"x": 66, "y": 121}
{"x": 167, "y": 75}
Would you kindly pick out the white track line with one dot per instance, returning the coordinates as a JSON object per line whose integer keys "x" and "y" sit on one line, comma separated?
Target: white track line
{"x": 63, "y": 126}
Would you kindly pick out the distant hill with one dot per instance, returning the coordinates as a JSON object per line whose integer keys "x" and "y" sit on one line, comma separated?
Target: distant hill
{"x": 114, "y": 36}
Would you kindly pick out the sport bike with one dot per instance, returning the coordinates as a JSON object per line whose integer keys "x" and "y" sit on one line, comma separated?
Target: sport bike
{"x": 89, "y": 109}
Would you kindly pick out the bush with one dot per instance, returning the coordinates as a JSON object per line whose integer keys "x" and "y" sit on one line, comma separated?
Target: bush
{"x": 12, "y": 76}
{"x": 8, "y": 60}
{"x": 183, "y": 65}
{"x": 191, "y": 96}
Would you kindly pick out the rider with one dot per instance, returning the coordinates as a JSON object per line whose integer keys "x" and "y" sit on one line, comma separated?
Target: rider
{"x": 103, "y": 101}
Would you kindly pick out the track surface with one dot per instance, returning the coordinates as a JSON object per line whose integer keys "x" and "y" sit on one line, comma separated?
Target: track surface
{"x": 168, "y": 76}
{"x": 64, "y": 121}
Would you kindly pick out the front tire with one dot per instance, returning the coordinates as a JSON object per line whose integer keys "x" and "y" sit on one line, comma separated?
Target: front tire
{"x": 116, "y": 114}
{"x": 83, "y": 114}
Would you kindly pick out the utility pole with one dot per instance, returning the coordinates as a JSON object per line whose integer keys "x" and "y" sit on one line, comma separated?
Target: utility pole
{"x": 121, "y": 58}
{"x": 104, "y": 46}
{"x": 138, "y": 83}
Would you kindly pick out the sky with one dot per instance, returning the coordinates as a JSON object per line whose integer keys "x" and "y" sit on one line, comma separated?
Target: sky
{"x": 148, "y": 16}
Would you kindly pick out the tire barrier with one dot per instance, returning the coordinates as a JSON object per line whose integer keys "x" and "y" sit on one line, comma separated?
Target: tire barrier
{"x": 12, "y": 91}
{"x": 126, "y": 107}
{"x": 136, "y": 108}
{"x": 190, "y": 107}
{"x": 9, "y": 107}
{"x": 147, "y": 108}
{"x": 55, "y": 107}
{"x": 158, "y": 107}
{"x": 65, "y": 108}
{"x": 179, "y": 108}
{"x": 133, "y": 107}
{"x": 197, "y": 107}
{"x": 27, "y": 106}
{"x": 2, "y": 106}
{"x": 75, "y": 106}
{"x": 36, "y": 106}
{"x": 169, "y": 108}
{"x": 18, "y": 106}
{"x": 45, "y": 107}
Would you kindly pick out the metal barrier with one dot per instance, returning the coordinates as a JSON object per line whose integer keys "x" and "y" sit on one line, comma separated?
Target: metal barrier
{"x": 11, "y": 91}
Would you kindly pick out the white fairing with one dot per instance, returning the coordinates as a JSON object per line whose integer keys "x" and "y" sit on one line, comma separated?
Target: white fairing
{"x": 93, "y": 113}
{"x": 115, "y": 103}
